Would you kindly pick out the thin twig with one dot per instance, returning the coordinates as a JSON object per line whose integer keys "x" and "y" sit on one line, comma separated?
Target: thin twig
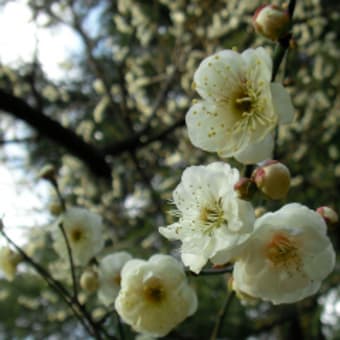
{"x": 70, "y": 257}
{"x": 279, "y": 54}
{"x": 64, "y": 294}
{"x": 213, "y": 271}
{"x": 68, "y": 246}
{"x": 59, "y": 195}
{"x": 31, "y": 139}
{"x": 159, "y": 100}
{"x": 221, "y": 315}
{"x": 120, "y": 326}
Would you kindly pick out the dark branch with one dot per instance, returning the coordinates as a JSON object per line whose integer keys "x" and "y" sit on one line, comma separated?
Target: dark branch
{"x": 137, "y": 142}
{"x": 53, "y": 130}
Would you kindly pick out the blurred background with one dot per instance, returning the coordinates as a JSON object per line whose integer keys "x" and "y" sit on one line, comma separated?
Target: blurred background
{"x": 100, "y": 89}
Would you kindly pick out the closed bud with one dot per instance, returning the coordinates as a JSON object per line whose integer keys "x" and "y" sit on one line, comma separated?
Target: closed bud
{"x": 55, "y": 208}
{"x": 273, "y": 179}
{"x": 271, "y": 22}
{"x": 328, "y": 214}
{"x": 245, "y": 188}
{"x": 89, "y": 281}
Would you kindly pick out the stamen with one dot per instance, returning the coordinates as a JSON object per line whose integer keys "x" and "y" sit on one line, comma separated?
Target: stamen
{"x": 251, "y": 109}
{"x": 282, "y": 251}
{"x": 153, "y": 290}
{"x": 212, "y": 216}
{"x": 76, "y": 234}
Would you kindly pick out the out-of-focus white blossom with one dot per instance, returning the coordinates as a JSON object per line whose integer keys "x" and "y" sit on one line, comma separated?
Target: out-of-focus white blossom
{"x": 55, "y": 208}
{"x": 286, "y": 257}
{"x": 109, "y": 270}
{"x": 84, "y": 231}
{"x": 213, "y": 221}
{"x": 155, "y": 296}
{"x": 9, "y": 260}
{"x": 240, "y": 106}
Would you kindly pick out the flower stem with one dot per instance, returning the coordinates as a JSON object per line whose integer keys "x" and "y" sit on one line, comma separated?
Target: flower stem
{"x": 59, "y": 195}
{"x": 283, "y": 44}
{"x": 212, "y": 271}
{"x": 70, "y": 257}
{"x": 279, "y": 54}
{"x": 62, "y": 229}
{"x": 280, "y": 51}
{"x": 120, "y": 327}
{"x": 221, "y": 315}
{"x": 50, "y": 281}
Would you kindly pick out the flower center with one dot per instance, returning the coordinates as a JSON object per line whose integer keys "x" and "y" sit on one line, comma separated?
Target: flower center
{"x": 249, "y": 106}
{"x": 282, "y": 251}
{"x": 76, "y": 234}
{"x": 116, "y": 279}
{"x": 153, "y": 290}
{"x": 212, "y": 216}
{"x": 243, "y": 104}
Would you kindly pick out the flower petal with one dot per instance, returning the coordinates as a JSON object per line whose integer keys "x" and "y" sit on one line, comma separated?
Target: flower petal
{"x": 217, "y": 75}
{"x": 282, "y": 103}
{"x": 257, "y": 152}
{"x": 194, "y": 262}
{"x": 258, "y": 63}
{"x": 208, "y": 125}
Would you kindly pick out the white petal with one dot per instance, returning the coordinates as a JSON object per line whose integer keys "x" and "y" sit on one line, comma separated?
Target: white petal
{"x": 170, "y": 232}
{"x": 194, "y": 262}
{"x": 282, "y": 103}
{"x": 208, "y": 125}
{"x": 257, "y": 152}
{"x": 231, "y": 175}
{"x": 218, "y": 74}
{"x": 321, "y": 265}
{"x": 258, "y": 63}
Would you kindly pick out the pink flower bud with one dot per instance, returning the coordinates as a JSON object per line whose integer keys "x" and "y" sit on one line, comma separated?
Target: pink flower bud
{"x": 271, "y": 21}
{"x": 328, "y": 214}
{"x": 273, "y": 179}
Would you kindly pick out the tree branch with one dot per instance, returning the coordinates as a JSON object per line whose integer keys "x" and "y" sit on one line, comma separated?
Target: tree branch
{"x": 92, "y": 157}
{"x": 137, "y": 142}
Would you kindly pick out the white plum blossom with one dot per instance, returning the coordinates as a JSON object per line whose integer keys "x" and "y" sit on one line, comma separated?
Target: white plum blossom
{"x": 213, "y": 220}
{"x": 155, "y": 295}
{"x": 9, "y": 259}
{"x": 286, "y": 257}
{"x": 84, "y": 231}
{"x": 109, "y": 272}
{"x": 240, "y": 106}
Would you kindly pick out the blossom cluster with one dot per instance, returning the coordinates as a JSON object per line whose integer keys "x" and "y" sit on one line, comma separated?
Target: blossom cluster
{"x": 282, "y": 256}
{"x": 152, "y": 296}
{"x": 279, "y": 257}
